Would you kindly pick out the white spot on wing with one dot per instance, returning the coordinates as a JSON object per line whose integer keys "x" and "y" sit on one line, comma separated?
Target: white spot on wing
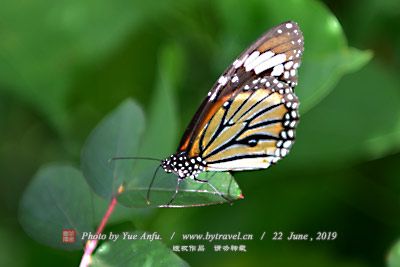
{"x": 239, "y": 62}
{"x": 222, "y": 80}
{"x": 251, "y": 58}
{"x": 235, "y": 79}
{"x": 258, "y": 60}
{"x": 213, "y": 96}
{"x": 287, "y": 144}
{"x": 277, "y": 71}
{"x": 286, "y": 75}
{"x": 288, "y": 65}
{"x": 274, "y": 61}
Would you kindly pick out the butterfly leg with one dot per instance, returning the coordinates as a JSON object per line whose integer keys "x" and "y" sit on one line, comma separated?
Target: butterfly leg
{"x": 215, "y": 189}
{"x": 178, "y": 181}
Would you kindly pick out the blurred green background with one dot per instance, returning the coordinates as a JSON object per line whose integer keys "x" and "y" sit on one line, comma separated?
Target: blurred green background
{"x": 64, "y": 65}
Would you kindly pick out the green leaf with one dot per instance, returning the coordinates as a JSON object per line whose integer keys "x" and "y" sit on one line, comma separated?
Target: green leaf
{"x": 326, "y": 56}
{"x": 393, "y": 259}
{"x": 118, "y": 134}
{"x": 352, "y": 123}
{"x": 190, "y": 193}
{"x": 319, "y": 76}
{"x": 135, "y": 253}
{"x": 59, "y": 198}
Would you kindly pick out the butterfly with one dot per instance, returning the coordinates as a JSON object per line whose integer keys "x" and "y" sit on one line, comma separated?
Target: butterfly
{"x": 248, "y": 119}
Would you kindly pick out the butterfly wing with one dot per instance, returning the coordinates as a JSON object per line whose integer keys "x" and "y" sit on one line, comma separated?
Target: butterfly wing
{"x": 251, "y": 130}
{"x": 275, "y": 57}
{"x": 277, "y": 54}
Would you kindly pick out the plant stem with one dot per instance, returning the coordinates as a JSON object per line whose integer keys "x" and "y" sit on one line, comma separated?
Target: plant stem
{"x": 91, "y": 244}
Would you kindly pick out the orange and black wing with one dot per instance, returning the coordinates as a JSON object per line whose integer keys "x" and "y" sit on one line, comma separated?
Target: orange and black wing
{"x": 251, "y": 130}
{"x": 249, "y": 86}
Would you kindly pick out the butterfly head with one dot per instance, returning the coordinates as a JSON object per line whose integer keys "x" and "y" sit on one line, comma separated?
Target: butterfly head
{"x": 183, "y": 166}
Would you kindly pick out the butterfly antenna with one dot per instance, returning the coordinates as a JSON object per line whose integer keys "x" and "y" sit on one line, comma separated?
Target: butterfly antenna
{"x": 151, "y": 185}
